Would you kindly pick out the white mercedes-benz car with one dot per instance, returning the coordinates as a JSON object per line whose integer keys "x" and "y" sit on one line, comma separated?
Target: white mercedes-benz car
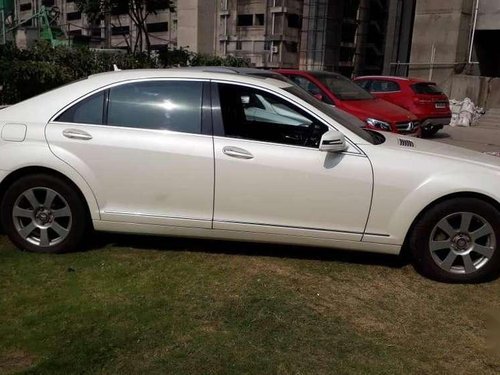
{"x": 174, "y": 152}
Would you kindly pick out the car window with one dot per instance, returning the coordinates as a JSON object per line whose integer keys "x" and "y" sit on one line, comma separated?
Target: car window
{"x": 253, "y": 114}
{"x": 364, "y": 83}
{"x": 427, "y": 88}
{"x": 165, "y": 105}
{"x": 341, "y": 87}
{"x": 310, "y": 87}
{"x": 384, "y": 86}
{"x": 87, "y": 111}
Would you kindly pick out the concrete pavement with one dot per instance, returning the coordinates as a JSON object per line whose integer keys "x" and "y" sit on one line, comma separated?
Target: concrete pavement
{"x": 484, "y": 137}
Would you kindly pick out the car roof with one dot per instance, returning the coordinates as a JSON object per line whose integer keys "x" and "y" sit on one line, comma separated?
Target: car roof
{"x": 307, "y": 72}
{"x": 216, "y": 72}
{"x": 47, "y": 104}
{"x": 395, "y": 78}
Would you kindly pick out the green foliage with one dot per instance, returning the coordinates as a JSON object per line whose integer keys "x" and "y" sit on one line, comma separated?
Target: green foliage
{"x": 25, "y": 73}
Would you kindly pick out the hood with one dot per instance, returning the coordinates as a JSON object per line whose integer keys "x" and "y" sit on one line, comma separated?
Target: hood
{"x": 440, "y": 150}
{"x": 378, "y": 109}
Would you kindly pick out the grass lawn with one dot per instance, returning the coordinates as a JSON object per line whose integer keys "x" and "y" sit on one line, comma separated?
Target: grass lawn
{"x": 140, "y": 305}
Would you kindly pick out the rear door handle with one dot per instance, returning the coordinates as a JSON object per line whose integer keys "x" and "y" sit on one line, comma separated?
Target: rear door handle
{"x": 77, "y": 134}
{"x": 236, "y": 152}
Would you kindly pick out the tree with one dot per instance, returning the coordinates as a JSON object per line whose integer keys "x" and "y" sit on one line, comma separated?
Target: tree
{"x": 138, "y": 11}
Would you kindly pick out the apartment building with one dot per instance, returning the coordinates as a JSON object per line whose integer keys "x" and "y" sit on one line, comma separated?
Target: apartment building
{"x": 122, "y": 31}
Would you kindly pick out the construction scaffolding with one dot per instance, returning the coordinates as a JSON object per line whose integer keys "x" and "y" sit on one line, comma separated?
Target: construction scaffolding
{"x": 347, "y": 36}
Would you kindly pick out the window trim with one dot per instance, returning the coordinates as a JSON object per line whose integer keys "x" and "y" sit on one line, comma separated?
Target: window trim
{"x": 205, "y": 118}
{"x": 218, "y": 123}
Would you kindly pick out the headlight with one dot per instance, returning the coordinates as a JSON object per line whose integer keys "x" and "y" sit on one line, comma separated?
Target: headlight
{"x": 378, "y": 124}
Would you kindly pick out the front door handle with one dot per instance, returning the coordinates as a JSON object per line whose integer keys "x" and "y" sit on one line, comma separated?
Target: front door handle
{"x": 237, "y": 152}
{"x": 77, "y": 134}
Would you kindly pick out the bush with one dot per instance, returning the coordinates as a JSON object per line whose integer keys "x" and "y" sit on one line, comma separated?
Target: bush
{"x": 26, "y": 73}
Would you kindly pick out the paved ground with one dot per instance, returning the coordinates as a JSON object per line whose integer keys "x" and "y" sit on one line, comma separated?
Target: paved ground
{"x": 479, "y": 138}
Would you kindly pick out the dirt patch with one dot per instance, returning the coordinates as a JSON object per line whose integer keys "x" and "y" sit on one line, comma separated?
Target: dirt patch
{"x": 15, "y": 361}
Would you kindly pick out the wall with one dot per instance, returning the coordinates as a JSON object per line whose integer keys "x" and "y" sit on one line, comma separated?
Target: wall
{"x": 488, "y": 15}
{"x": 446, "y": 25}
{"x": 483, "y": 91}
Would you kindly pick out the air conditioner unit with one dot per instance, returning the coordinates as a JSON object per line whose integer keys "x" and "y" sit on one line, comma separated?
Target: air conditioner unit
{"x": 274, "y": 49}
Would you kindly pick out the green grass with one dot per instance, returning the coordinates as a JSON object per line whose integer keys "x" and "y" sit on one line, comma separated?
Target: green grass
{"x": 137, "y": 305}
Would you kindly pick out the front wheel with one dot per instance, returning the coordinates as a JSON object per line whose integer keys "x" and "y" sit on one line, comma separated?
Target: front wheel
{"x": 430, "y": 131}
{"x": 457, "y": 241}
{"x": 42, "y": 213}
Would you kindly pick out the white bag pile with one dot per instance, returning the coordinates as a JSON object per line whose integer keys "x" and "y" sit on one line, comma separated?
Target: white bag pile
{"x": 464, "y": 113}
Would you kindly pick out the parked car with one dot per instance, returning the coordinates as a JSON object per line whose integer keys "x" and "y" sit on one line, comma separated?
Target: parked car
{"x": 173, "y": 152}
{"x": 335, "y": 89}
{"x": 423, "y": 98}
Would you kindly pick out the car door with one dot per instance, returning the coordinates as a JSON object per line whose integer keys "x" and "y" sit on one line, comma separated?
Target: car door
{"x": 146, "y": 150}
{"x": 270, "y": 176}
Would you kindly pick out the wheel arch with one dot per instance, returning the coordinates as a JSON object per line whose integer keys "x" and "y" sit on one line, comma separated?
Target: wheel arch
{"x": 480, "y": 196}
{"x": 33, "y": 170}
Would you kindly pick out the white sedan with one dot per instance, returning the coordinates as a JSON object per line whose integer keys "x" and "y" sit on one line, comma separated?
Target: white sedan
{"x": 173, "y": 152}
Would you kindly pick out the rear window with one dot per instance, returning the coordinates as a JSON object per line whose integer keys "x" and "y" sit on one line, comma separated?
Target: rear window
{"x": 426, "y": 88}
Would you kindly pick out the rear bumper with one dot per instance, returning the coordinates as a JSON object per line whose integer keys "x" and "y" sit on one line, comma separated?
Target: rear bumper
{"x": 438, "y": 121}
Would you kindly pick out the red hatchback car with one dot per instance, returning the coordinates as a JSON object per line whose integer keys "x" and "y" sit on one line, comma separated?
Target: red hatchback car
{"x": 423, "y": 98}
{"x": 335, "y": 89}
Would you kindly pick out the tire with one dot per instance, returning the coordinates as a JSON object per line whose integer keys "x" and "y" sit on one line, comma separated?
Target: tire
{"x": 445, "y": 248}
{"x": 44, "y": 214}
{"x": 430, "y": 131}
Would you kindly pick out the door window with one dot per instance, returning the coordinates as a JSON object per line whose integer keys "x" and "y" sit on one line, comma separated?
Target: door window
{"x": 384, "y": 86}
{"x": 87, "y": 111}
{"x": 257, "y": 115}
{"x": 364, "y": 83}
{"x": 166, "y": 105}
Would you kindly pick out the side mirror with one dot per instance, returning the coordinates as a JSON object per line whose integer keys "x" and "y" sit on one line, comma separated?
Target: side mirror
{"x": 333, "y": 141}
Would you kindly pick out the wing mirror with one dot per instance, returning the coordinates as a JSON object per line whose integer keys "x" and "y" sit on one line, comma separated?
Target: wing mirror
{"x": 333, "y": 141}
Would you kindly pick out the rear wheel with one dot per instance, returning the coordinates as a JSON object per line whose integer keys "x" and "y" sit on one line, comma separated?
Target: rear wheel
{"x": 430, "y": 131}
{"x": 42, "y": 213}
{"x": 457, "y": 241}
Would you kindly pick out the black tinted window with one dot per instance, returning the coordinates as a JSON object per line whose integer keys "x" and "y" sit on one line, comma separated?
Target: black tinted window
{"x": 257, "y": 115}
{"x": 168, "y": 105}
{"x": 87, "y": 111}
{"x": 384, "y": 86}
{"x": 426, "y": 88}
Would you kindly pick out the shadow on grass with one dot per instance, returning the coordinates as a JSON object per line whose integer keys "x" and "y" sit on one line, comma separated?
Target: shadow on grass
{"x": 139, "y": 242}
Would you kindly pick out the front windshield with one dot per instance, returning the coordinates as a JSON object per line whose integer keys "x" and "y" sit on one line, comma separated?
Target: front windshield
{"x": 341, "y": 87}
{"x": 346, "y": 119}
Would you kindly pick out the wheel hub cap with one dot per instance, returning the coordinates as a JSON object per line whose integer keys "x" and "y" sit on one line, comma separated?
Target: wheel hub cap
{"x": 44, "y": 216}
{"x": 461, "y": 242}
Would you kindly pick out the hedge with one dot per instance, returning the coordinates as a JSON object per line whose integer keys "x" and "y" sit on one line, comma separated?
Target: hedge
{"x": 26, "y": 73}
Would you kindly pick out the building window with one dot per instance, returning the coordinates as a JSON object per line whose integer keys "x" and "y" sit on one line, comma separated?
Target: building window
{"x": 120, "y": 30}
{"x": 48, "y": 3}
{"x": 268, "y": 45}
{"x": 238, "y": 44}
{"x": 25, "y": 7}
{"x": 292, "y": 47}
{"x": 294, "y": 21}
{"x": 96, "y": 31}
{"x": 119, "y": 8}
{"x": 245, "y": 20}
{"x": 157, "y": 27}
{"x": 75, "y": 32}
{"x": 259, "y": 20}
{"x": 73, "y": 16}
